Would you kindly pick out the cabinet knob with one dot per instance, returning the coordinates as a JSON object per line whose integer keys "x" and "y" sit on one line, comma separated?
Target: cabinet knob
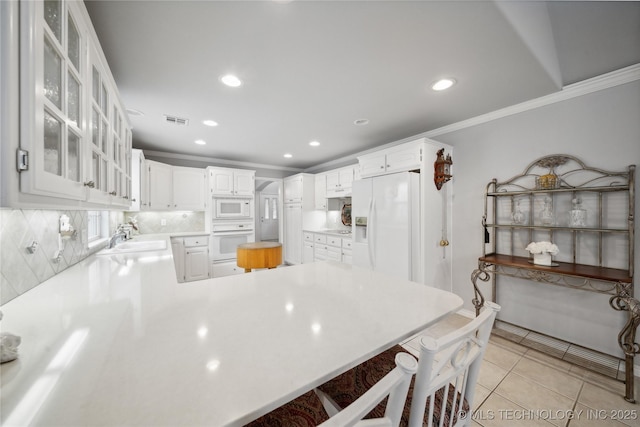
{"x": 381, "y": 166}
{"x": 168, "y": 206}
{"x": 90, "y": 184}
{"x": 113, "y": 193}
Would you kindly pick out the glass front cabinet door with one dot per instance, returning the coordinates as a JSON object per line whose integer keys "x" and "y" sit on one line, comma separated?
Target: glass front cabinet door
{"x": 73, "y": 131}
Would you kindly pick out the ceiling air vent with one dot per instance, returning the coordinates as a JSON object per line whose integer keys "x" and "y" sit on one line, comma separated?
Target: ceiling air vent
{"x": 176, "y": 120}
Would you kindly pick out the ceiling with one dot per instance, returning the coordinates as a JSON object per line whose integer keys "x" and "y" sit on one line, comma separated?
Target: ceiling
{"x": 309, "y": 69}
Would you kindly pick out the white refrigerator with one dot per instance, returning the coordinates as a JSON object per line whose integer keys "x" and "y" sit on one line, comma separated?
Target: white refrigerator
{"x": 386, "y": 224}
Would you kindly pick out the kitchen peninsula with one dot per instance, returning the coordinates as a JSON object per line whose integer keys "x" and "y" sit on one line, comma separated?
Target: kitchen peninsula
{"x": 116, "y": 340}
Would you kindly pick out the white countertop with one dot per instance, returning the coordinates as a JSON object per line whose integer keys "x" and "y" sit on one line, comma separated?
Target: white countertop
{"x": 115, "y": 340}
{"x": 332, "y": 232}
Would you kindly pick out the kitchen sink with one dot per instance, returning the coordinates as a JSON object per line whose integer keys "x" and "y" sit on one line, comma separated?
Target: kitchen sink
{"x": 136, "y": 246}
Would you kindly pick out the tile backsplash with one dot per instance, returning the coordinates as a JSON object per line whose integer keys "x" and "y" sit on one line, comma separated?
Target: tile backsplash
{"x": 167, "y": 221}
{"x": 21, "y": 270}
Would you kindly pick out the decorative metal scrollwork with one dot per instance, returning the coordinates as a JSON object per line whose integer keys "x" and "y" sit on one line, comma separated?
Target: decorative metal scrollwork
{"x": 626, "y": 338}
{"x": 482, "y": 274}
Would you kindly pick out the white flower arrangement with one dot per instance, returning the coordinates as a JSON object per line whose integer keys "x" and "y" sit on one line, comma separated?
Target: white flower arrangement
{"x": 542, "y": 247}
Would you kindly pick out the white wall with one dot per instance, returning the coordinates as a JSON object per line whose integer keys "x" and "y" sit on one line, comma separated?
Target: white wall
{"x": 603, "y": 130}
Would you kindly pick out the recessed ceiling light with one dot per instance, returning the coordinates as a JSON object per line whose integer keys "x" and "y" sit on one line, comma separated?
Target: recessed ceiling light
{"x": 361, "y": 122}
{"x": 230, "y": 80}
{"x": 200, "y": 142}
{"x": 314, "y": 143}
{"x": 209, "y": 123}
{"x": 288, "y": 156}
{"x": 443, "y": 84}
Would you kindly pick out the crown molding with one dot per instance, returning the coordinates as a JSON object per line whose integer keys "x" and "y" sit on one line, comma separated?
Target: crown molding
{"x": 585, "y": 87}
{"x": 215, "y": 161}
{"x": 605, "y": 81}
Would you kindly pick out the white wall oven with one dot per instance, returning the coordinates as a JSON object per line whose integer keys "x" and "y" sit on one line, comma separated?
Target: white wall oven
{"x": 229, "y": 209}
{"x": 225, "y": 238}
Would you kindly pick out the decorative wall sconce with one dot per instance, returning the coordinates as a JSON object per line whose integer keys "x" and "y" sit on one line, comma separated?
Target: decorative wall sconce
{"x": 442, "y": 169}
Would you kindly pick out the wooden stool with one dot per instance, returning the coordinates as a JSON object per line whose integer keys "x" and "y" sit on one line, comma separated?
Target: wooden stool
{"x": 259, "y": 255}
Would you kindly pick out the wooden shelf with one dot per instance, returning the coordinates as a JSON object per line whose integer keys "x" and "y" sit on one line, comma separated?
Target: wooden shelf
{"x": 603, "y": 189}
{"x": 559, "y": 228}
{"x": 563, "y": 268}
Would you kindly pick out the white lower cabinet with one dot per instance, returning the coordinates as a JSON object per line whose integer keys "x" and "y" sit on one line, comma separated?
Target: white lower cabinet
{"x": 196, "y": 264}
{"x": 307, "y": 252}
{"x": 177, "y": 248}
{"x": 292, "y": 246}
{"x": 347, "y": 244}
{"x": 326, "y": 246}
{"x": 191, "y": 258}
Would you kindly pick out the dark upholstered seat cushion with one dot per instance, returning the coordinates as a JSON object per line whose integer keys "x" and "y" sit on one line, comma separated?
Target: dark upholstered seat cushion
{"x": 304, "y": 411}
{"x": 346, "y": 388}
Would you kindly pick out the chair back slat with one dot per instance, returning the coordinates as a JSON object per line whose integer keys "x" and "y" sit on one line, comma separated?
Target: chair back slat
{"x": 395, "y": 385}
{"x": 455, "y": 374}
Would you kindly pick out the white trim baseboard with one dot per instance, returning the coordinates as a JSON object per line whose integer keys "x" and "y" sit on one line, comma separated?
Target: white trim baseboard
{"x": 471, "y": 314}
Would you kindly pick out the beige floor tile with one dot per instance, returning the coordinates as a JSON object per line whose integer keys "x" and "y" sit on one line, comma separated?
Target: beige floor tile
{"x": 533, "y": 396}
{"x": 608, "y": 383}
{"x": 501, "y": 356}
{"x": 609, "y": 403}
{"x": 510, "y": 345}
{"x": 498, "y": 411}
{"x": 481, "y": 395}
{"x": 554, "y": 379}
{"x": 491, "y": 375}
{"x": 587, "y": 417}
{"x": 548, "y": 360}
{"x": 446, "y": 325}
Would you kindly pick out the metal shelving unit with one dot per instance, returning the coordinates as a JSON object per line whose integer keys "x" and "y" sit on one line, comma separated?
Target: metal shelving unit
{"x": 539, "y": 204}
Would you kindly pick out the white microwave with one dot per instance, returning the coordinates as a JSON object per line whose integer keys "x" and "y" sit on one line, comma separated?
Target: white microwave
{"x": 233, "y": 208}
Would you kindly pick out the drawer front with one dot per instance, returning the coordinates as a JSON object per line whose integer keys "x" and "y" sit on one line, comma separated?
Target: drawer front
{"x": 347, "y": 243}
{"x": 320, "y": 238}
{"x": 320, "y": 253}
{"x": 226, "y": 269}
{"x": 334, "y": 241}
{"x": 190, "y": 242}
{"x": 307, "y": 237}
{"x": 334, "y": 254}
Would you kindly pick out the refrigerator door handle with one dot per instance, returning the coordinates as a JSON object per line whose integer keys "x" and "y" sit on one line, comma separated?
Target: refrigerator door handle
{"x": 370, "y": 234}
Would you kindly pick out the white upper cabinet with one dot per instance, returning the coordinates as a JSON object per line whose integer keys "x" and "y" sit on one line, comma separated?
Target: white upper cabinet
{"x": 138, "y": 181}
{"x": 404, "y": 157}
{"x": 300, "y": 188}
{"x": 174, "y": 187}
{"x": 189, "y": 188}
{"x": 321, "y": 191}
{"x": 74, "y": 144}
{"x": 231, "y": 182}
{"x": 53, "y": 90}
{"x": 339, "y": 182}
{"x": 160, "y": 185}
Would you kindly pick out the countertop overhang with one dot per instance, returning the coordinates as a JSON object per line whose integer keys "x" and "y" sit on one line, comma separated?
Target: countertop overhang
{"x": 116, "y": 340}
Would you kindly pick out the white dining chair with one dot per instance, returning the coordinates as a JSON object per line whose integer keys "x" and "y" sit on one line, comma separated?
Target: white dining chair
{"x": 444, "y": 386}
{"x": 308, "y": 410}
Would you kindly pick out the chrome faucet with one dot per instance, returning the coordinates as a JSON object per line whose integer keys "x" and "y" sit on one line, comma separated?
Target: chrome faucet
{"x": 117, "y": 237}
